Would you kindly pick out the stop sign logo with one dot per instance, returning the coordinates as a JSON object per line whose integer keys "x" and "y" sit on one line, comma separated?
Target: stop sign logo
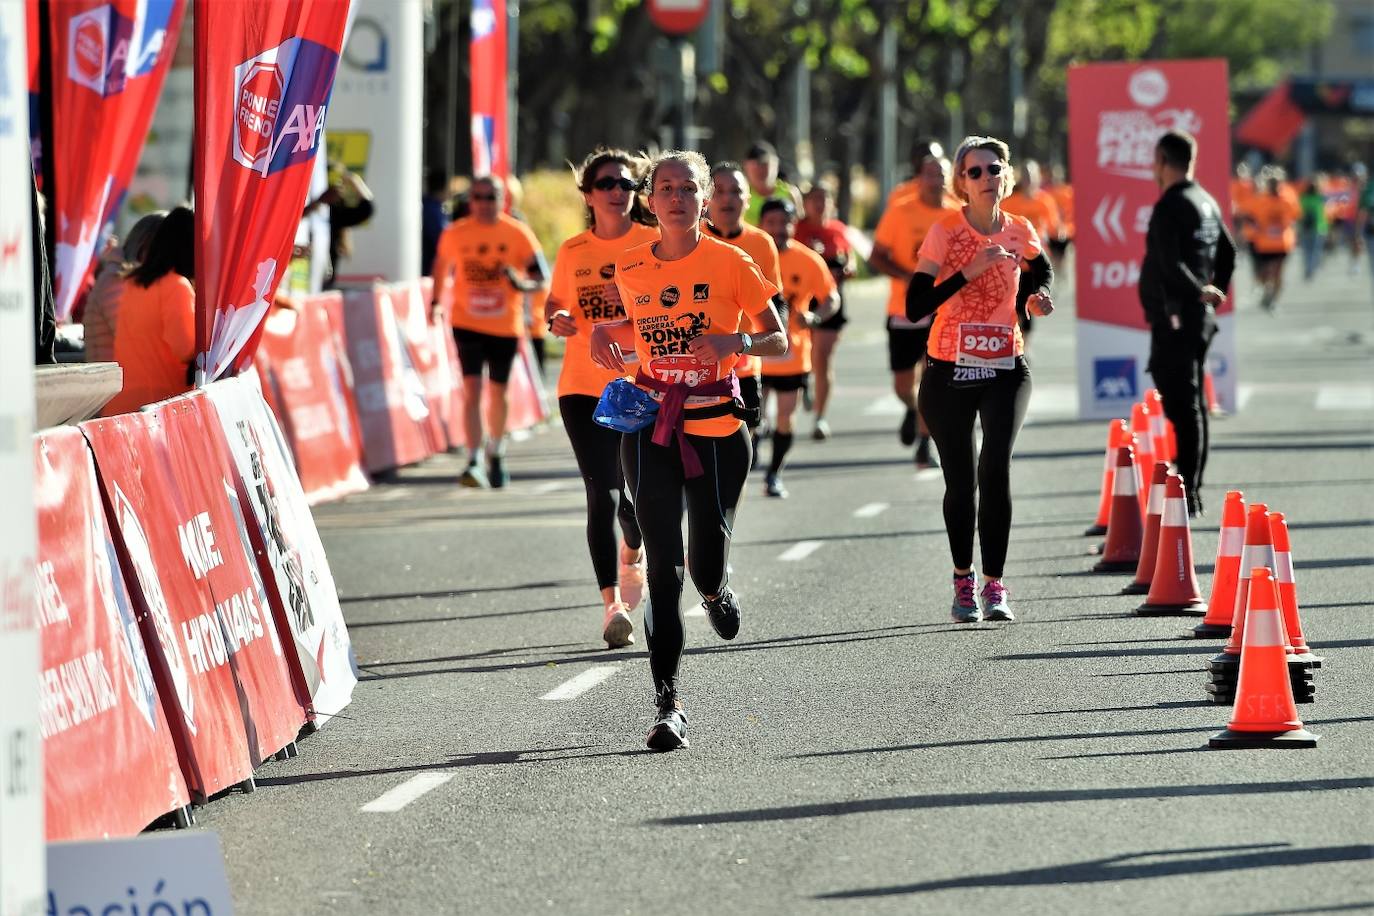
{"x": 88, "y": 42}
{"x": 679, "y": 17}
{"x": 255, "y": 120}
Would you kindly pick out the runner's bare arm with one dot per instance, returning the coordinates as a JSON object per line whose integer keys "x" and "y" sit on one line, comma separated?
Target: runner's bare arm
{"x": 610, "y": 342}
{"x": 881, "y": 261}
{"x": 771, "y": 339}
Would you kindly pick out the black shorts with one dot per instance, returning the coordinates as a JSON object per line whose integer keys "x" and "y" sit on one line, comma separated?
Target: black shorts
{"x": 1263, "y": 258}
{"x": 906, "y": 347}
{"x": 835, "y": 322}
{"x": 751, "y": 393}
{"x": 787, "y": 382}
{"x": 476, "y": 350}
{"x": 1059, "y": 246}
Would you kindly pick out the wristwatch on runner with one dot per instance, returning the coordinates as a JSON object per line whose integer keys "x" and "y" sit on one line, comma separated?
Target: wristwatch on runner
{"x": 746, "y": 343}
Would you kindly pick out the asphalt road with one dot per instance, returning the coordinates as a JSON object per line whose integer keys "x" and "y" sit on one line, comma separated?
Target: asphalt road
{"x": 852, "y": 751}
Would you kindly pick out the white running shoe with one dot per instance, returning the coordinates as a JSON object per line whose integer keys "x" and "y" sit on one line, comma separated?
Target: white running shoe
{"x": 617, "y": 629}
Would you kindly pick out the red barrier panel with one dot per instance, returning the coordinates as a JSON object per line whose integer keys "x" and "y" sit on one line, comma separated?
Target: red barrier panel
{"x": 110, "y": 765}
{"x": 393, "y": 410}
{"x": 298, "y": 359}
{"x": 216, "y": 547}
{"x": 288, "y": 545}
{"x": 187, "y": 645}
{"x": 429, "y": 361}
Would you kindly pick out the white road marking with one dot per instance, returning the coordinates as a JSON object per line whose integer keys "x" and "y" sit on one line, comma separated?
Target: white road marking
{"x": 395, "y": 799}
{"x": 872, "y": 510}
{"x": 799, "y": 551}
{"x": 1244, "y": 392}
{"x": 547, "y": 487}
{"x": 574, "y": 688}
{"x": 1049, "y": 400}
{"x": 1345, "y": 397}
{"x": 696, "y": 610}
{"x": 929, "y": 474}
{"x": 885, "y": 407}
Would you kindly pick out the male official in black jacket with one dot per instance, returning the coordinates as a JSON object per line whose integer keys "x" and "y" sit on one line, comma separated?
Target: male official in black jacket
{"x": 1189, "y": 258}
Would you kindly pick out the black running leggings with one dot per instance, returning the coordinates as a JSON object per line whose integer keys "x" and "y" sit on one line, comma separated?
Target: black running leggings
{"x": 598, "y": 458}
{"x": 949, "y": 412}
{"x": 657, "y": 483}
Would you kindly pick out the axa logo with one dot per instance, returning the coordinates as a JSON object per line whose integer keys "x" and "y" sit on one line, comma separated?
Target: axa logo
{"x": 1114, "y": 378}
{"x": 106, "y": 49}
{"x": 280, "y": 97}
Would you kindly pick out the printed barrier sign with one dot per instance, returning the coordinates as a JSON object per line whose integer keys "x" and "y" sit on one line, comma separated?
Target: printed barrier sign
{"x": 160, "y": 874}
{"x": 110, "y": 764}
{"x": 428, "y": 360}
{"x": 393, "y": 408}
{"x": 109, "y": 60}
{"x": 264, "y": 72}
{"x": 21, "y": 749}
{"x": 186, "y": 636}
{"x": 297, "y": 354}
{"x": 1116, "y": 114}
{"x": 288, "y": 545}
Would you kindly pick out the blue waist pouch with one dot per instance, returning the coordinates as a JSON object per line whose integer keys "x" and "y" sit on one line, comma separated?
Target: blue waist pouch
{"x": 625, "y": 407}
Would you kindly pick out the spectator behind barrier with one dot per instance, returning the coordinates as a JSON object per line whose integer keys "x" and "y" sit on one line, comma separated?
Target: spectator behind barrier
{"x": 155, "y": 337}
{"x": 350, "y": 203}
{"x": 102, "y": 304}
{"x": 433, "y": 217}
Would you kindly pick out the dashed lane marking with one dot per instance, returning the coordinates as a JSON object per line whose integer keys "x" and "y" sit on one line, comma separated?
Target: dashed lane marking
{"x": 799, "y": 551}
{"x": 548, "y": 487}
{"x": 872, "y": 510}
{"x": 1345, "y": 397}
{"x": 929, "y": 474}
{"x": 394, "y": 800}
{"x": 574, "y": 688}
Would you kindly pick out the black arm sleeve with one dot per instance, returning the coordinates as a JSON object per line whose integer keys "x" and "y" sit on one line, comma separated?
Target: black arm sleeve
{"x": 1225, "y": 264}
{"x": 923, "y": 297}
{"x": 1036, "y": 277}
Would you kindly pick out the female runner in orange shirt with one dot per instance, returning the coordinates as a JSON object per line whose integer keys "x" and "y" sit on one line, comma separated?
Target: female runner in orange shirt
{"x": 583, "y": 296}
{"x": 687, "y": 296}
{"x": 975, "y": 270}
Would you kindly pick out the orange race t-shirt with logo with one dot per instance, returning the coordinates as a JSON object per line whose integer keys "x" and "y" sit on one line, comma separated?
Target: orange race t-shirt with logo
{"x": 1273, "y": 217}
{"x": 804, "y": 278}
{"x": 977, "y": 326}
{"x": 477, "y": 254}
{"x": 1063, "y": 199}
{"x": 155, "y": 339}
{"x": 912, "y": 188}
{"x": 758, "y": 245}
{"x": 672, "y": 302}
{"x": 582, "y": 274}
{"x": 901, "y": 230}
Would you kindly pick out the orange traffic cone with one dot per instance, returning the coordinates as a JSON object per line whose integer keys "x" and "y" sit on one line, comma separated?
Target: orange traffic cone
{"x": 1209, "y": 390}
{"x": 1258, "y": 551}
{"x": 1159, "y": 433}
{"x": 1301, "y": 660}
{"x": 1122, "y": 550}
{"x": 1117, "y": 431}
{"x": 1264, "y": 714}
{"x": 1221, "y": 606}
{"x": 1173, "y": 588}
{"x": 1144, "y": 460}
{"x": 1149, "y": 546}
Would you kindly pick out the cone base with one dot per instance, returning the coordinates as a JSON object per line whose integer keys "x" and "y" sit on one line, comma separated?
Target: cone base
{"x": 1227, "y": 739}
{"x": 1136, "y": 588}
{"x": 1104, "y": 566}
{"x": 1096, "y": 531}
{"x": 1312, "y": 661}
{"x": 1189, "y": 609}
{"x": 1209, "y": 631}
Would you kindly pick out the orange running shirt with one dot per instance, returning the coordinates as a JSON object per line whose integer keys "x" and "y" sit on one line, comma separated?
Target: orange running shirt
{"x": 585, "y": 268}
{"x": 804, "y": 278}
{"x": 1274, "y": 216}
{"x": 476, "y": 254}
{"x": 901, "y": 231}
{"x": 154, "y": 341}
{"x": 1039, "y": 208}
{"x": 977, "y": 326}
{"x": 758, "y": 245}
{"x": 671, "y": 302}
{"x": 912, "y": 188}
{"x": 1063, "y": 199}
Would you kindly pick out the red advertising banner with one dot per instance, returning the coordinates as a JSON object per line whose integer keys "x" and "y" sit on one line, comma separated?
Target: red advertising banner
{"x": 289, "y": 550}
{"x": 490, "y": 152}
{"x": 109, "y": 60}
{"x": 187, "y": 644}
{"x": 216, "y": 548}
{"x": 429, "y": 360}
{"x": 110, "y": 766}
{"x": 297, "y": 353}
{"x": 264, "y": 72}
{"x": 1116, "y": 114}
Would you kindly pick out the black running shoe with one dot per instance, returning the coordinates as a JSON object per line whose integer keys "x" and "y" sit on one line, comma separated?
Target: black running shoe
{"x": 669, "y": 731}
{"x": 925, "y": 458}
{"x": 907, "y": 431}
{"x": 723, "y": 612}
{"x": 772, "y": 486}
{"x": 496, "y": 472}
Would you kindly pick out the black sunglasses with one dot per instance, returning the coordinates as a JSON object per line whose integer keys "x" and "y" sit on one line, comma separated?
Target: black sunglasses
{"x": 607, "y": 183}
{"x": 976, "y": 171}
{"x": 483, "y": 197}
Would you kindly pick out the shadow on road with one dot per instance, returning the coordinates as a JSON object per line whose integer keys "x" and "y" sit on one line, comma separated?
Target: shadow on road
{"x": 1128, "y": 867}
{"x": 457, "y": 761}
{"x": 459, "y": 592}
{"x": 1175, "y": 649}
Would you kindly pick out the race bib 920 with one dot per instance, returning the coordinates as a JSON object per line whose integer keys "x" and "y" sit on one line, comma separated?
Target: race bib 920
{"x": 990, "y": 346}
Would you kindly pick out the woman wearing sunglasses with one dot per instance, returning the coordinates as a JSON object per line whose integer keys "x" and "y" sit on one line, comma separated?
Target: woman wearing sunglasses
{"x": 977, "y": 268}
{"x": 687, "y": 296}
{"x": 583, "y": 296}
